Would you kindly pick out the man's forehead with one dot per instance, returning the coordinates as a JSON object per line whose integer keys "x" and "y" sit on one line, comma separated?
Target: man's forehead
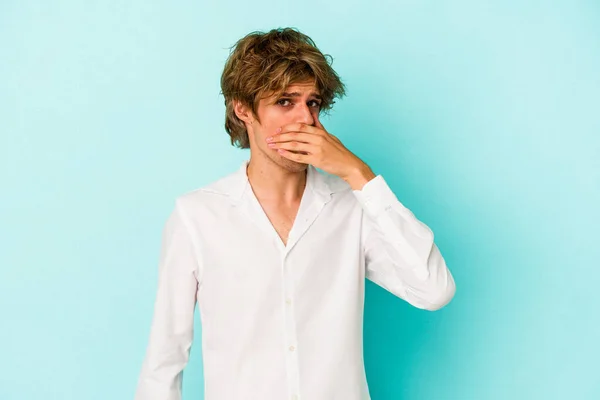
{"x": 300, "y": 89}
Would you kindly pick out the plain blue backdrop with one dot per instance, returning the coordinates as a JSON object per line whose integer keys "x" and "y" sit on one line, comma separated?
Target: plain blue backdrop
{"x": 483, "y": 116}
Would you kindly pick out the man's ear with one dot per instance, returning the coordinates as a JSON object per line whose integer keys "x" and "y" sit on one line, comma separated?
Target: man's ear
{"x": 243, "y": 112}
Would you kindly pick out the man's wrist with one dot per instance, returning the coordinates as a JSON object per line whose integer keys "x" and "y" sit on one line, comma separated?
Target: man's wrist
{"x": 359, "y": 176}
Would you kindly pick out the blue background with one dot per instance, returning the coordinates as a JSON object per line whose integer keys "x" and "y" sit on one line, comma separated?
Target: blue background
{"x": 482, "y": 116}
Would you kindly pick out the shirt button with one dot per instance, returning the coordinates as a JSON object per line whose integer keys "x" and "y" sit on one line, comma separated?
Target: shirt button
{"x": 288, "y": 301}
{"x": 292, "y": 348}
{"x": 295, "y": 397}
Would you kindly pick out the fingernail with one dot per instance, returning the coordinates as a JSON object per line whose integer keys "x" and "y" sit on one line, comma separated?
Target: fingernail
{"x": 278, "y": 130}
{"x": 270, "y": 139}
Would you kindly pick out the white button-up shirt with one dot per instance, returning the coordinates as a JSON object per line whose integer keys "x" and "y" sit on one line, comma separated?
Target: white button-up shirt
{"x": 283, "y": 321}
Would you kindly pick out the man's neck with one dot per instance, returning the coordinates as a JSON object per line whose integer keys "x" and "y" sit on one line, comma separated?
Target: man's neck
{"x": 273, "y": 183}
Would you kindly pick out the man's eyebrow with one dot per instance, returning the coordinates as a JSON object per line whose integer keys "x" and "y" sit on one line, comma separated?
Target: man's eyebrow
{"x": 296, "y": 94}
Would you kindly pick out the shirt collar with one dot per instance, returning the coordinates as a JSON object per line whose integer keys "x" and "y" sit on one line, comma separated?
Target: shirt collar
{"x": 315, "y": 182}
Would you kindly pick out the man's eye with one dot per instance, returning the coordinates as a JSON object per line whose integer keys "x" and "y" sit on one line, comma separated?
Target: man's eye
{"x": 314, "y": 103}
{"x": 283, "y": 102}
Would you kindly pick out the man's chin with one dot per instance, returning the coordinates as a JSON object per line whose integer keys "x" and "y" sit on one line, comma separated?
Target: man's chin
{"x": 285, "y": 163}
{"x": 290, "y": 165}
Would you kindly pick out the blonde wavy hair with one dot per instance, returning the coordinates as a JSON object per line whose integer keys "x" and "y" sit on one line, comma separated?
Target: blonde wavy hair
{"x": 263, "y": 64}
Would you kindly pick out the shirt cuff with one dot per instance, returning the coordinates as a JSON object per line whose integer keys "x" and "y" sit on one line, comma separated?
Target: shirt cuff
{"x": 376, "y": 197}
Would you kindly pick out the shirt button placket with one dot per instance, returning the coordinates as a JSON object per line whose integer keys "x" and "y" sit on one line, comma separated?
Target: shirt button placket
{"x": 290, "y": 331}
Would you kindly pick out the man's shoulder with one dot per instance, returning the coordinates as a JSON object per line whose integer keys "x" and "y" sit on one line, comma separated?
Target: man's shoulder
{"x": 335, "y": 184}
{"x": 217, "y": 191}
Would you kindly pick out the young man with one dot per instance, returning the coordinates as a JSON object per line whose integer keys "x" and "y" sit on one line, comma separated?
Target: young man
{"x": 276, "y": 254}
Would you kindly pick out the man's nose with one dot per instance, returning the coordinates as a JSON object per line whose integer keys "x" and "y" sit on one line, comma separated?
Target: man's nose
{"x": 305, "y": 115}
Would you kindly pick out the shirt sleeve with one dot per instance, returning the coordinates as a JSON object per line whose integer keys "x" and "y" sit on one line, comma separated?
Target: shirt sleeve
{"x": 400, "y": 253}
{"x": 171, "y": 331}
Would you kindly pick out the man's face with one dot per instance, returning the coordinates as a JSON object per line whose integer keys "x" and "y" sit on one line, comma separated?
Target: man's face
{"x": 300, "y": 102}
